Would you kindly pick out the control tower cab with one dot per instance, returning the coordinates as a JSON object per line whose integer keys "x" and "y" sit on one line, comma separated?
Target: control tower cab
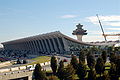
{"x": 79, "y": 32}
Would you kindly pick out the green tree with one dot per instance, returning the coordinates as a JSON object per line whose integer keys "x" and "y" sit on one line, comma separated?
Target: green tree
{"x": 110, "y": 49}
{"x": 112, "y": 72}
{"x": 38, "y": 73}
{"x": 100, "y": 66}
{"x": 68, "y": 73}
{"x": 106, "y": 76}
{"x": 92, "y": 75}
{"x": 81, "y": 71}
{"x": 54, "y": 64}
{"x": 104, "y": 56}
{"x": 118, "y": 66}
{"x": 112, "y": 57}
{"x": 74, "y": 61}
{"x": 82, "y": 57}
{"x": 91, "y": 61}
{"x": 60, "y": 70}
{"x": 53, "y": 77}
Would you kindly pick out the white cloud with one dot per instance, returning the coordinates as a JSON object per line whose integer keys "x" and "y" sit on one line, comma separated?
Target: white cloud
{"x": 95, "y": 32}
{"x": 113, "y": 23}
{"x": 100, "y": 32}
{"x": 98, "y": 38}
{"x": 68, "y": 16}
{"x": 113, "y": 28}
{"x": 106, "y": 20}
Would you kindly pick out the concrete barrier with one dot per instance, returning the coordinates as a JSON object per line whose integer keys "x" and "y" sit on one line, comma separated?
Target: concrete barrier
{"x": 3, "y": 64}
{"x": 22, "y": 67}
{"x": 4, "y": 70}
{"x": 47, "y": 63}
{"x": 42, "y": 64}
{"x": 15, "y": 68}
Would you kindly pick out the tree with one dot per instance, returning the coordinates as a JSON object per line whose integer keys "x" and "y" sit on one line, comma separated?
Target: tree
{"x": 81, "y": 71}
{"x": 60, "y": 70}
{"x": 118, "y": 66}
{"x": 82, "y": 57}
{"x": 74, "y": 61}
{"x": 68, "y": 73}
{"x": 104, "y": 56}
{"x": 52, "y": 77}
{"x": 99, "y": 67}
{"x": 112, "y": 72}
{"x": 110, "y": 49}
{"x": 90, "y": 61}
{"x": 112, "y": 57}
{"x": 94, "y": 49}
{"x": 106, "y": 76}
{"x": 38, "y": 74}
{"x": 92, "y": 75}
{"x": 54, "y": 64}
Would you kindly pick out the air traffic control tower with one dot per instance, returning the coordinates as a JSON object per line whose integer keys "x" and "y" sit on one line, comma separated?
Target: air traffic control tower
{"x": 79, "y": 32}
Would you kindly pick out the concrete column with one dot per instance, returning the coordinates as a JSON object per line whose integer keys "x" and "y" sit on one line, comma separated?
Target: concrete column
{"x": 65, "y": 44}
{"x": 40, "y": 45}
{"x": 31, "y": 44}
{"x": 52, "y": 44}
{"x": 39, "y": 48}
{"x": 45, "y": 45}
{"x": 36, "y": 46}
{"x": 44, "y": 48}
{"x": 51, "y": 47}
{"x": 55, "y": 46}
{"x": 48, "y": 50}
{"x": 27, "y": 46}
{"x": 60, "y": 46}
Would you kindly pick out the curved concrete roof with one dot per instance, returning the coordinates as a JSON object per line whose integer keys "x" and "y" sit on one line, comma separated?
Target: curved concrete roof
{"x": 51, "y": 34}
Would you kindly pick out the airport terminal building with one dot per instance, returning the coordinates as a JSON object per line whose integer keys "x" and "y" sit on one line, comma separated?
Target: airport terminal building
{"x": 45, "y": 43}
{"x": 52, "y": 42}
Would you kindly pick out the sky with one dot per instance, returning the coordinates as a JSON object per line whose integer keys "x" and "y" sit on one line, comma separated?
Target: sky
{"x": 23, "y": 18}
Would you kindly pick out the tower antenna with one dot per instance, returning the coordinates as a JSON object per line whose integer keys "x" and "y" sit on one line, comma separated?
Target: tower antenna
{"x": 101, "y": 27}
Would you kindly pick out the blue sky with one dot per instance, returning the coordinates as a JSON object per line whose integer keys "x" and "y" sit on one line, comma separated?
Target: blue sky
{"x": 22, "y": 18}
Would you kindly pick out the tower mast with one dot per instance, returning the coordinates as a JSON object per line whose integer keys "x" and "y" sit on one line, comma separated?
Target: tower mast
{"x": 101, "y": 28}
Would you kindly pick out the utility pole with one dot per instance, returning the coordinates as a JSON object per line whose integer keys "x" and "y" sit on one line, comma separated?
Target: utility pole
{"x": 101, "y": 28}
